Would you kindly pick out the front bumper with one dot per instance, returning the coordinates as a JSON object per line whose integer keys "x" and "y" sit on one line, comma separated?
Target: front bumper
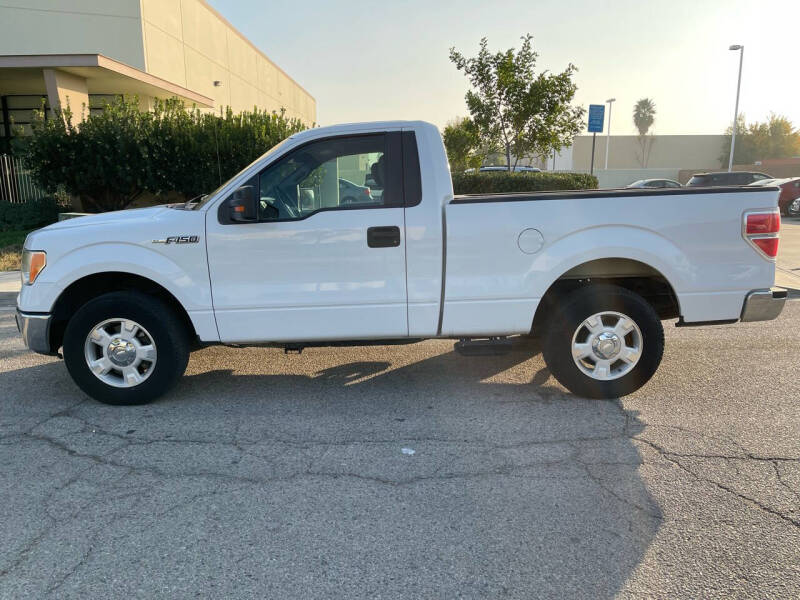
{"x": 763, "y": 305}
{"x": 35, "y": 330}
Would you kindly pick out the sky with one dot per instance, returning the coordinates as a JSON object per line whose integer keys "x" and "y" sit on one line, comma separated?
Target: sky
{"x": 388, "y": 59}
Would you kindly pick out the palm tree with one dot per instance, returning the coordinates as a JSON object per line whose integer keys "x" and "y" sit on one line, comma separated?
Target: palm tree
{"x": 644, "y": 115}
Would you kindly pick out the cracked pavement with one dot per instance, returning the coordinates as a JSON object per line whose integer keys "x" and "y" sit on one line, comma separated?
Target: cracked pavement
{"x": 275, "y": 476}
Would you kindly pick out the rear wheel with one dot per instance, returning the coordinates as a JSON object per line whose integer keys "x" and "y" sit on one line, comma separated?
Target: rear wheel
{"x": 604, "y": 341}
{"x": 125, "y": 348}
{"x": 793, "y": 208}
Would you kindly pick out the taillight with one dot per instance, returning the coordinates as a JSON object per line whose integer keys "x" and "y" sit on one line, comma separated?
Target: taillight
{"x": 768, "y": 246}
{"x": 368, "y": 191}
{"x": 762, "y": 229}
{"x": 759, "y": 223}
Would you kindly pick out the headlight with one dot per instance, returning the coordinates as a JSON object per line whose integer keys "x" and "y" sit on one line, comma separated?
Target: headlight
{"x": 33, "y": 262}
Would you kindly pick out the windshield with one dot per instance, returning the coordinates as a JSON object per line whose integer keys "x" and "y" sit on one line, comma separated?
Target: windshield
{"x": 206, "y": 197}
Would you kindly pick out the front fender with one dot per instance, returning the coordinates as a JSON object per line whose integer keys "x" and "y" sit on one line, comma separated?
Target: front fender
{"x": 184, "y": 275}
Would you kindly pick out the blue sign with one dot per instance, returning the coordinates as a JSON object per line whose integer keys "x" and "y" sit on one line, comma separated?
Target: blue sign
{"x": 597, "y": 115}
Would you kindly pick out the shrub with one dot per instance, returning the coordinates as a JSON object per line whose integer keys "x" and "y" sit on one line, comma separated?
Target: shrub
{"x": 10, "y": 256}
{"x": 11, "y": 249}
{"x": 30, "y": 215}
{"x": 121, "y": 152}
{"x": 498, "y": 182}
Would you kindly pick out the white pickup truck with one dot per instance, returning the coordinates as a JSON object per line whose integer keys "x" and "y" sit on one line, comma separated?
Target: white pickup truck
{"x": 279, "y": 256}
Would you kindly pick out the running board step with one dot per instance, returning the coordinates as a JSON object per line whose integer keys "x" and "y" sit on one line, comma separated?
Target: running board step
{"x": 495, "y": 346}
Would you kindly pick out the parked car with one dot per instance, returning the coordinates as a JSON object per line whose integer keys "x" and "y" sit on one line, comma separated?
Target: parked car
{"x": 517, "y": 169}
{"x": 126, "y": 295}
{"x": 654, "y": 183}
{"x": 726, "y": 178}
{"x": 789, "y": 200}
{"x": 349, "y": 193}
{"x": 352, "y": 193}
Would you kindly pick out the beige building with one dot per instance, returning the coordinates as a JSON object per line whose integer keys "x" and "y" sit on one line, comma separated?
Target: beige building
{"x": 85, "y": 51}
{"x": 666, "y": 152}
{"x": 674, "y": 157}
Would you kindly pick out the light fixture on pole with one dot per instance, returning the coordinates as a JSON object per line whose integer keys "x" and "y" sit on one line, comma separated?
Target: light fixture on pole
{"x": 740, "y": 48}
{"x": 608, "y": 133}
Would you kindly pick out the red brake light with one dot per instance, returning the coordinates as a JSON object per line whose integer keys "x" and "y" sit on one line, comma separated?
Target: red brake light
{"x": 763, "y": 223}
{"x": 367, "y": 191}
{"x": 768, "y": 246}
{"x": 761, "y": 230}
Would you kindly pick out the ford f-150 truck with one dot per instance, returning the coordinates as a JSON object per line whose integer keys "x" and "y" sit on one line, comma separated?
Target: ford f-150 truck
{"x": 276, "y": 257}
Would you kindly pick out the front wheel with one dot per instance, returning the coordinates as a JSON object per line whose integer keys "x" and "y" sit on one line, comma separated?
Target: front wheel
{"x": 793, "y": 208}
{"x": 125, "y": 348}
{"x": 604, "y": 341}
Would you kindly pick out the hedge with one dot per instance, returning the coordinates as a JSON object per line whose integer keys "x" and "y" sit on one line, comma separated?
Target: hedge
{"x": 30, "y": 215}
{"x": 122, "y": 152}
{"x": 499, "y": 182}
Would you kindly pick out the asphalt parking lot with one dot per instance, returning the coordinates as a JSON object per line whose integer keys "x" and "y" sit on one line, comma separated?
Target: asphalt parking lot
{"x": 275, "y": 476}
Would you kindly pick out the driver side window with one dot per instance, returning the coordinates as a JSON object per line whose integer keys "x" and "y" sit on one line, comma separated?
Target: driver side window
{"x": 346, "y": 172}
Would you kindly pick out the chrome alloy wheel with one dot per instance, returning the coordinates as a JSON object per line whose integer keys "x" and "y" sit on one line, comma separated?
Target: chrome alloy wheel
{"x": 120, "y": 352}
{"x": 607, "y": 345}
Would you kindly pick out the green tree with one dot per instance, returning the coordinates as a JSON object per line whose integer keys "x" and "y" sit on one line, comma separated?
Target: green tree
{"x": 644, "y": 115}
{"x": 514, "y": 108}
{"x": 121, "y": 152}
{"x": 746, "y": 144}
{"x": 774, "y": 138}
{"x": 783, "y": 139}
{"x": 463, "y": 144}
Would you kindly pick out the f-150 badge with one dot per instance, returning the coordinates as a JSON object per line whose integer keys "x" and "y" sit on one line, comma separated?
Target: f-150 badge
{"x": 179, "y": 239}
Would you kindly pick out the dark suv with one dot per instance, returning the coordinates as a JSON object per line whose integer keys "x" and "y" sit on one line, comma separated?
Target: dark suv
{"x": 725, "y": 178}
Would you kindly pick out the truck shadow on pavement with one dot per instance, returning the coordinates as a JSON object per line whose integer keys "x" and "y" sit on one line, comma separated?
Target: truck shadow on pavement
{"x": 446, "y": 476}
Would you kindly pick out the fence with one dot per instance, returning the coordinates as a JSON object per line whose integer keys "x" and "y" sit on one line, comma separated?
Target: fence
{"x": 16, "y": 184}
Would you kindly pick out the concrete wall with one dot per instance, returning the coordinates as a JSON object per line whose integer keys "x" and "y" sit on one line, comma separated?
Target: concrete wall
{"x": 189, "y": 43}
{"x": 667, "y": 152}
{"x": 109, "y": 27}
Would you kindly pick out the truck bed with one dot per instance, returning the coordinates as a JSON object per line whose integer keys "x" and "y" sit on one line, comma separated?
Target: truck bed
{"x": 607, "y": 193}
{"x": 504, "y": 251}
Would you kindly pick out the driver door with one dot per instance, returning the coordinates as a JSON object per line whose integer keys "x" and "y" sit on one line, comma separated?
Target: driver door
{"x": 325, "y": 260}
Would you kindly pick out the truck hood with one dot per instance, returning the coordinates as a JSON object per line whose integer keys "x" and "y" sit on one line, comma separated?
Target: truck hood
{"x": 137, "y": 215}
{"x": 137, "y": 226}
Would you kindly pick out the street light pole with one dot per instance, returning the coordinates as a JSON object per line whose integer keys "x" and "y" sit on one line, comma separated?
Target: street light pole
{"x": 608, "y": 133}
{"x": 740, "y": 48}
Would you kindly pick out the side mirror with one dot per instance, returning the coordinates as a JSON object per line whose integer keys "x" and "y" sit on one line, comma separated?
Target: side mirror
{"x": 242, "y": 205}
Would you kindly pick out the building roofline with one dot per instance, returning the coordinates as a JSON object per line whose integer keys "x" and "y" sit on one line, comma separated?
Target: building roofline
{"x": 50, "y": 61}
{"x": 253, "y": 46}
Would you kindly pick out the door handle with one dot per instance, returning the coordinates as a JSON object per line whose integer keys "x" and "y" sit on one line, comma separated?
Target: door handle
{"x": 383, "y": 237}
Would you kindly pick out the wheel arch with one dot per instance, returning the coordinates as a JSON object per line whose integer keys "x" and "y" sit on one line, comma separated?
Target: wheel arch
{"x": 80, "y": 291}
{"x": 631, "y": 274}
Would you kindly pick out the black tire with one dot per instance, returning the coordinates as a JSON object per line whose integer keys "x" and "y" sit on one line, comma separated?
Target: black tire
{"x": 163, "y": 325}
{"x": 579, "y": 306}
